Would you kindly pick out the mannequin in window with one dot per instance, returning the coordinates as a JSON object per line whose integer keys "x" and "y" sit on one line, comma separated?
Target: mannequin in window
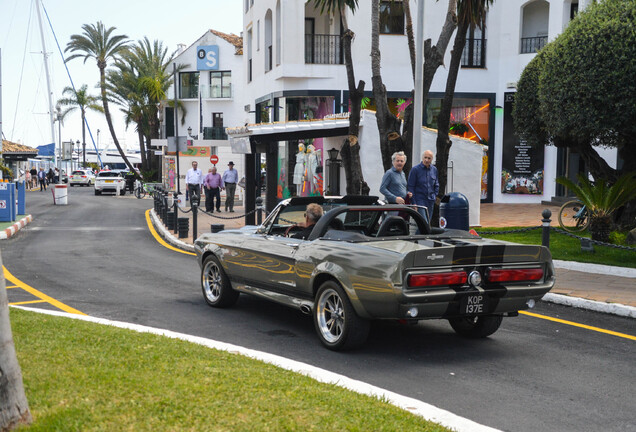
{"x": 299, "y": 169}
{"x": 312, "y": 163}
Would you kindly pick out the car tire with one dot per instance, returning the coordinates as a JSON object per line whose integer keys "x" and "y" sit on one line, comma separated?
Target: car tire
{"x": 98, "y": 192}
{"x": 122, "y": 192}
{"x": 216, "y": 287}
{"x": 337, "y": 324}
{"x": 476, "y": 327}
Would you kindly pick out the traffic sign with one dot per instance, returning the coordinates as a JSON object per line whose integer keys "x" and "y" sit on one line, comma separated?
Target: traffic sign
{"x": 214, "y": 159}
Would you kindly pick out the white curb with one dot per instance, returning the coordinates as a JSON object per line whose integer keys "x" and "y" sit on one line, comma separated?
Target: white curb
{"x": 593, "y": 305}
{"x": 596, "y": 268}
{"x": 414, "y": 406}
{"x": 8, "y": 232}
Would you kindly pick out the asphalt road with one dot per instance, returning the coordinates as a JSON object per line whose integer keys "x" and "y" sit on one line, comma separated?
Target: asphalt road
{"x": 97, "y": 255}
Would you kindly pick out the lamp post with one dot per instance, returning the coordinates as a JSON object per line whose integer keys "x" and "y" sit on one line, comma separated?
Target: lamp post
{"x": 334, "y": 172}
{"x": 189, "y": 131}
{"x": 78, "y": 154}
{"x": 58, "y": 162}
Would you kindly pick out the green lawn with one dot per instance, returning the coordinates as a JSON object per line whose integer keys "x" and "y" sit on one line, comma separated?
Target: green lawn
{"x": 567, "y": 248}
{"x": 81, "y": 376}
{"x": 5, "y": 225}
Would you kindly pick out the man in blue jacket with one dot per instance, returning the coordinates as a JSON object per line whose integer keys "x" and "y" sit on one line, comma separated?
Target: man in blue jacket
{"x": 424, "y": 184}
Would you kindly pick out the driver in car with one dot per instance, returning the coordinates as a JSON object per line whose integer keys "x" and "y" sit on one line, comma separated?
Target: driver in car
{"x": 313, "y": 212}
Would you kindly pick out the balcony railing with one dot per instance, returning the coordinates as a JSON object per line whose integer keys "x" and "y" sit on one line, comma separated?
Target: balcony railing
{"x": 323, "y": 49}
{"x": 531, "y": 45}
{"x": 216, "y": 92}
{"x": 474, "y": 55}
{"x": 215, "y": 133}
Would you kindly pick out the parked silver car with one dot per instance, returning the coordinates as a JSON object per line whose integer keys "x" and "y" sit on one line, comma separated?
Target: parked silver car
{"x": 361, "y": 262}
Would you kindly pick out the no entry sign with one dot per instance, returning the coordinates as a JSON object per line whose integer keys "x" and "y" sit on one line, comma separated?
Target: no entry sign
{"x": 214, "y": 159}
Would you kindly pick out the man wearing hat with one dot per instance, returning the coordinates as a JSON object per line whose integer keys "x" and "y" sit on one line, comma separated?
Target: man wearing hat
{"x": 230, "y": 179}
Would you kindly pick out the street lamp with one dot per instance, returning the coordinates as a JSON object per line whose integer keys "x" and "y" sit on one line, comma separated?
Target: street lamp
{"x": 78, "y": 153}
{"x": 58, "y": 162}
{"x": 189, "y": 131}
{"x": 334, "y": 172}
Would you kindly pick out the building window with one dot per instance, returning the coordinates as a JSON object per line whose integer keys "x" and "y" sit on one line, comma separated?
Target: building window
{"x": 221, "y": 84}
{"x": 535, "y": 25}
{"x": 217, "y": 131}
{"x": 189, "y": 85}
{"x": 249, "y": 55}
{"x": 391, "y": 17}
{"x": 474, "y": 55}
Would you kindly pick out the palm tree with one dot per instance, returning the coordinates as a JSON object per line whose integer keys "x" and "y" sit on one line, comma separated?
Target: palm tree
{"x": 602, "y": 199}
{"x": 82, "y": 100}
{"x": 469, "y": 12}
{"x": 139, "y": 84}
{"x": 350, "y": 148}
{"x": 98, "y": 43}
{"x": 14, "y": 407}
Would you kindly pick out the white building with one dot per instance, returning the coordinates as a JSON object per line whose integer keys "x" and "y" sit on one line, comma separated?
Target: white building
{"x": 293, "y": 70}
{"x": 211, "y": 95}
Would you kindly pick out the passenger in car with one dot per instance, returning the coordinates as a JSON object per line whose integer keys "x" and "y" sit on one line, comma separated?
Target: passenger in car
{"x": 313, "y": 213}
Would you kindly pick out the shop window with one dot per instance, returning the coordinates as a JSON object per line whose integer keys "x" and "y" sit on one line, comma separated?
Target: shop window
{"x": 391, "y": 17}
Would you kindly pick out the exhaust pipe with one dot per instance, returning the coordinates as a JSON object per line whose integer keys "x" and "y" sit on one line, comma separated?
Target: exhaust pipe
{"x": 305, "y": 308}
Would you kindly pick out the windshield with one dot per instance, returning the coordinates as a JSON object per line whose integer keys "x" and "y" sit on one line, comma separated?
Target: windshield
{"x": 109, "y": 174}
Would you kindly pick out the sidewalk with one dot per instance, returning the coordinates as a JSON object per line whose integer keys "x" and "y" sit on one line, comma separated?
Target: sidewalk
{"x": 601, "y": 288}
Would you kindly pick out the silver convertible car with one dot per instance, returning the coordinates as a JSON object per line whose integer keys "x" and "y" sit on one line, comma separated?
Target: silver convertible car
{"x": 363, "y": 261}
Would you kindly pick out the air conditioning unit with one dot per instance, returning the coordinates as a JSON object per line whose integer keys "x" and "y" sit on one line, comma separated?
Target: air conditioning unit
{"x": 247, "y": 108}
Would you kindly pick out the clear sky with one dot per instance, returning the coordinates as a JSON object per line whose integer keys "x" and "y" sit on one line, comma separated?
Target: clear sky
{"x": 25, "y": 116}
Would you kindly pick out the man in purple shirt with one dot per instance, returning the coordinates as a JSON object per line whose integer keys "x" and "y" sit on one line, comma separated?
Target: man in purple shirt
{"x": 213, "y": 183}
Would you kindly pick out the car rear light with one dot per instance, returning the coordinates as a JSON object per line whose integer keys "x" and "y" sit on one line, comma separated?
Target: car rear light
{"x": 514, "y": 275}
{"x": 436, "y": 279}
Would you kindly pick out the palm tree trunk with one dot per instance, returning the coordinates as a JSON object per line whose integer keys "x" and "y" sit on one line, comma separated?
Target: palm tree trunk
{"x": 443, "y": 120}
{"x": 389, "y": 126}
{"x": 84, "y": 139}
{"x": 14, "y": 407}
{"x": 109, "y": 120}
{"x": 350, "y": 150}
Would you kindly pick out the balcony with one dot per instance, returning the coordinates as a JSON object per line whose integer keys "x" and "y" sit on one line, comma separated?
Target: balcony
{"x": 215, "y": 133}
{"x": 474, "y": 55}
{"x": 531, "y": 45}
{"x": 216, "y": 92}
{"x": 323, "y": 49}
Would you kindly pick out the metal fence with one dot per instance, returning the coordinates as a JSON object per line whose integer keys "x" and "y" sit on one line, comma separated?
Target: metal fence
{"x": 323, "y": 49}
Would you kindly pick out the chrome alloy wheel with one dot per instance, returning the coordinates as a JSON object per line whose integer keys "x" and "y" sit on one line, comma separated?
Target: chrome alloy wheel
{"x": 331, "y": 315}
{"x": 212, "y": 281}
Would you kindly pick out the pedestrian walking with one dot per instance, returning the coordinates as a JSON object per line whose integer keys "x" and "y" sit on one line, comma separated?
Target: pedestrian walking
{"x": 230, "y": 178}
{"x": 213, "y": 184}
{"x": 34, "y": 177}
{"x": 50, "y": 176}
{"x": 42, "y": 179}
{"x": 393, "y": 185}
{"x": 194, "y": 180}
{"x": 424, "y": 184}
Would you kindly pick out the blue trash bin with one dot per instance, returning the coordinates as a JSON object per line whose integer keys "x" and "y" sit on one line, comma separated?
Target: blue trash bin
{"x": 7, "y": 202}
{"x": 21, "y": 186}
{"x": 453, "y": 211}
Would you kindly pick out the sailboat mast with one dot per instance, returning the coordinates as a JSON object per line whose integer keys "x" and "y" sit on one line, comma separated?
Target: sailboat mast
{"x": 48, "y": 87}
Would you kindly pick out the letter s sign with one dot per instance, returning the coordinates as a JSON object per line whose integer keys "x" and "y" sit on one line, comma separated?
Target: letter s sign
{"x": 208, "y": 57}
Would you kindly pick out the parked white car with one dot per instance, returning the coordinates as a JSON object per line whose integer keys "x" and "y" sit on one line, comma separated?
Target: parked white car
{"x": 110, "y": 181}
{"x": 82, "y": 178}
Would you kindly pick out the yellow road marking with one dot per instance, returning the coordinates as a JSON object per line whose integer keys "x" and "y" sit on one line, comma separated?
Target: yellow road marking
{"x": 161, "y": 241}
{"x": 11, "y": 286}
{"x": 587, "y": 327}
{"x": 38, "y": 294}
{"x": 27, "y": 302}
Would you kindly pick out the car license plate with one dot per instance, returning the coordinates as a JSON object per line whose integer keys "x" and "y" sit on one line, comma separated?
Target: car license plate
{"x": 109, "y": 181}
{"x": 473, "y": 304}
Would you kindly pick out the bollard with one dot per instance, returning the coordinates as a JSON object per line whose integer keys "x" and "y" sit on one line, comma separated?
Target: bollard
{"x": 215, "y": 228}
{"x": 195, "y": 209}
{"x": 545, "y": 228}
{"x": 259, "y": 210}
{"x": 176, "y": 213}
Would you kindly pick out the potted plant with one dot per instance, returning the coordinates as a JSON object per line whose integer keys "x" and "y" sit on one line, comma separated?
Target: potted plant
{"x": 602, "y": 199}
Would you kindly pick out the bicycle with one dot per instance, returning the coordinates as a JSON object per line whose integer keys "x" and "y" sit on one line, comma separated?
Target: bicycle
{"x": 573, "y": 216}
{"x": 142, "y": 189}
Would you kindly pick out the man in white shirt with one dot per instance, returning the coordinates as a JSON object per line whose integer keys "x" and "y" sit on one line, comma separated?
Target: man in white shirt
{"x": 194, "y": 180}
